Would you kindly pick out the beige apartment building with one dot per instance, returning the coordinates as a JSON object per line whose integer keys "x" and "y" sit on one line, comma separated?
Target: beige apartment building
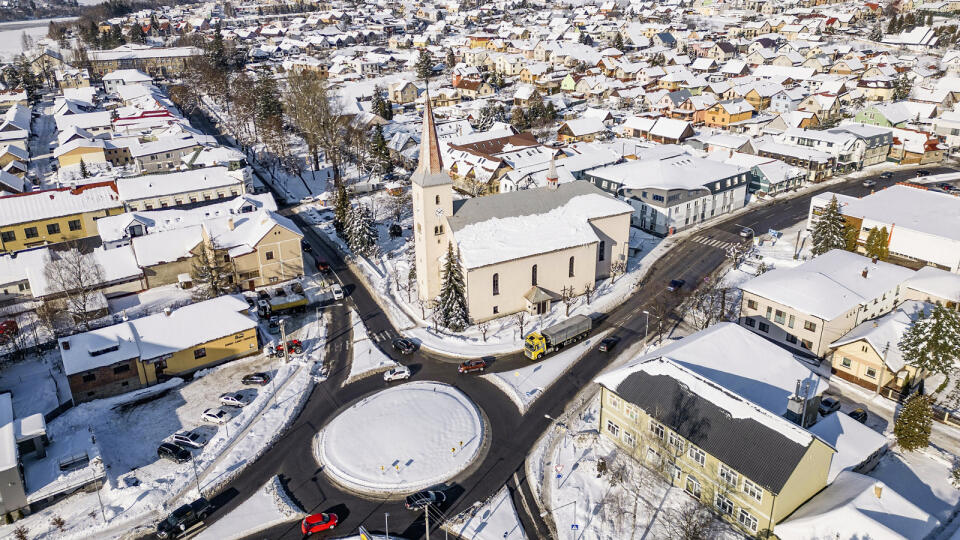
{"x": 181, "y": 188}
{"x": 812, "y": 305}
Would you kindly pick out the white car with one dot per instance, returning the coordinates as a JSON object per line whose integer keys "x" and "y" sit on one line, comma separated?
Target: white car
{"x": 337, "y": 291}
{"x": 215, "y": 416}
{"x": 233, "y": 399}
{"x": 398, "y": 373}
{"x": 190, "y": 439}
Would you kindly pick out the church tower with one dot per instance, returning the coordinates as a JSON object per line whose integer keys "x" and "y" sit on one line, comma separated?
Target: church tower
{"x": 432, "y": 194}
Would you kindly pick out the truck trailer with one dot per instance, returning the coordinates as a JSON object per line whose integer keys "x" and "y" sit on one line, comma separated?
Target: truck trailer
{"x": 278, "y": 305}
{"x": 557, "y": 336}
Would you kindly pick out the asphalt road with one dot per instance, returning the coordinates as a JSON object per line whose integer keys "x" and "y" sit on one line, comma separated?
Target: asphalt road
{"x": 512, "y": 435}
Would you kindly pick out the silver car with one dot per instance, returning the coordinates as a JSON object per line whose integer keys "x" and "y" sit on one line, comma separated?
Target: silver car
{"x": 190, "y": 439}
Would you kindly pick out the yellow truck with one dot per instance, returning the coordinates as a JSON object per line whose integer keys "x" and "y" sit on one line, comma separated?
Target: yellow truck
{"x": 557, "y": 336}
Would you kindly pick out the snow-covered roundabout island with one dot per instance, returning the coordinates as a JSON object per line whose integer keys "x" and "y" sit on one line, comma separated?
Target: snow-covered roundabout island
{"x": 402, "y": 439}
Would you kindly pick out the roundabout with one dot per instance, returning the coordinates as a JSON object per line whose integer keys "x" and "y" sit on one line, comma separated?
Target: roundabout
{"x": 402, "y": 439}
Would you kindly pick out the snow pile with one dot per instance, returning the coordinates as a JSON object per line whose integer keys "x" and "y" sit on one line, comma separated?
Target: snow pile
{"x": 366, "y": 358}
{"x": 494, "y": 520}
{"x": 268, "y": 507}
{"x": 523, "y": 386}
{"x": 402, "y": 439}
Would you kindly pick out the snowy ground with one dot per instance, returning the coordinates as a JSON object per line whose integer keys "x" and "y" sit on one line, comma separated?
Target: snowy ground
{"x": 150, "y": 301}
{"x": 268, "y": 507}
{"x": 11, "y": 34}
{"x": 494, "y": 520}
{"x": 773, "y": 254}
{"x": 36, "y": 382}
{"x": 523, "y": 386}
{"x": 641, "y": 505}
{"x": 366, "y": 357}
{"x": 414, "y": 435}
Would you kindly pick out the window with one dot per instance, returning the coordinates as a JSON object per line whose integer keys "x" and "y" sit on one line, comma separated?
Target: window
{"x": 810, "y": 326}
{"x": 749, "y": 321}
{"x": 723, "y": 504}
{"x": 747, "y": 520}
{"x": 656, "y": 429}
{"x": 570, "y": 267}
{"x": 8, "y": 236}
{"x": 601, "y": 250}
{"x": 752, "y": 490}
{"x": 632, "y": 413}
{"x": 533, "y": 276}
{"x": 845, "y": 362}
{"x": 764, "y": 327}
{"x": 74, "y": 224}
{"x": 199, "y": 353}
{"x": 496, "y": 309}
{"x": 121, "y": 369}
{"x": 871, "y": 373}
{"x": 89, "y": 377}
{"x": 791, "y": 339}
{"x": 613, "y": 429}
{"x": 790, "y": 321}
{"x": 269, "y": 255}
{"x": 438, "y": 230}
{"x": 779, "y": 317}
{"x": 496, "y": 284}
{"x": 729, "y": 475}
{"x": 677, "y": 442}
{"x": 769, "y": 312}
{"x": 697, "y": 455}
{"x": 437, "y": 199}
{"x": 614, "y": 402}
{"x": 30, "y": 232}
{"x": 693, "y": 486}
{"x": 752, "y": 304}
{"x": 806, "y": 344}
{"x": 653, "y": 457}
{"x": 629, "y": 439}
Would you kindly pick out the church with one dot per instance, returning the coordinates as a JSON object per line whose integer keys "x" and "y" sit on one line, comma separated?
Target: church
{"x": 518, "y": 250}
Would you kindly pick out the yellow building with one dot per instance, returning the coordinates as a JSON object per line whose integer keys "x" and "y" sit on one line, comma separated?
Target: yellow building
{"x": 91, "y": 152}
{"x": 55, "y": 215}
{"x": 142, "y": 352}
{"x": 724, "y": 113}
{"x": 750, "y": 465}
{"x": 155, "y": 61}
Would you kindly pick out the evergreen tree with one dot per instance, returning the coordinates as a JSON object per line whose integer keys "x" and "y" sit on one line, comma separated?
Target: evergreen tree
{"x": 901, "y": 87}
{"x": 424, "y": 66}
{"x": 211, "y": 272}
{"x": 914, "y": 423}
{"x": 933, "y": 343}
{"x": 489, "y": 114}
{"x": 362, "y": 232}
{"x": 877, "y": 33}
{"x": 451, "y": 59}
{"x": 452, "y": 305}
{"x": 930, "y": 19}
{"x": 618, "y": 42}
{"x": 83, "y": 169}
{"x": 518, "y": 119}
{"x": 341, "y": 210}
{"x": 829, "y": 230}
{"x": 136, "y": 34}
{"x": 381, "y": 107}
{"x": 892, "y": 25}
{"x": 268, "y": 107}
{"x": 380, "y": 151}
{"x": 852, "y": 235}
{"x": 217, "y": 51}
{"x": 877, "y": 243}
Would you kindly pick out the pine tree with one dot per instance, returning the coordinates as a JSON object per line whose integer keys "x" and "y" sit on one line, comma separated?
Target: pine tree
{"x": 892, "y": 25}
{"x": 914, "y": 423}
{"x": 877, "y": 33}
{"x": 83, "y": 169}
{"x": 136, "y": 34}
{"x": 380, "y": 106}
{"x": 341, "y": 210}
{"x": 829, "y": 230}
{"x": 217, "y": 51}
{"x": 877, "y": 243}
{"x": 901, "y": 87}
{"x": 452, "y": 305}
{"x": 424, "y": 66}
{"x": 211, "y": 272}
{"x": 451, "y": 59}
{"x": 518, "y": 119}
{"x": 362, "y": 232}
{"x": 380, "y": 152}
{"x": 618, "y": 42}
{"x": 933, "y": 343}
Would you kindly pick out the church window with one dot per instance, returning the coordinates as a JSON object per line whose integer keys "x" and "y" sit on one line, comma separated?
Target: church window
{"x": 533, "y": 276}
{"x": 570, "y": 269}
{"x": 601, "y": 250}
{"x": 438, "y": 199}
{"x": 496, "y": 284}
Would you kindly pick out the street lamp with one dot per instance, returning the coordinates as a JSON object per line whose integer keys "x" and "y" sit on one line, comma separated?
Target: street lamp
{"x": 195, "y": 475}
{"x": 646, "y": 327}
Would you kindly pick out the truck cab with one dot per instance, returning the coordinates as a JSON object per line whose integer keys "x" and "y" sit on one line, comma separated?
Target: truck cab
{"x": 534, "y": 346}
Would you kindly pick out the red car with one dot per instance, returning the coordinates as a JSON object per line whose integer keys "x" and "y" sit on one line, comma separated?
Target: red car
{"x": 472, "y": 365}
{"x": 318, "y": 523}
{"x": 8, "y": 330}
{"x": 323, "y": 267}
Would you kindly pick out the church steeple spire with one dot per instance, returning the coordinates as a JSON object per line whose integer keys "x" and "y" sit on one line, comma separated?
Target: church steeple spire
{"x": 429, "y": 170}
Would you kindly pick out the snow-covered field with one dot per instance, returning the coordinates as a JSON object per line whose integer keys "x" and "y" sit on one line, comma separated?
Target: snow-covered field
{"x": 402, "y": 439}
{"x": 523, "y": 386}
{"x": 366, "y": 357}
{"x": 269, "y": 506}
{"x": 495, "y": 519}
{"x": 11, "y": 34}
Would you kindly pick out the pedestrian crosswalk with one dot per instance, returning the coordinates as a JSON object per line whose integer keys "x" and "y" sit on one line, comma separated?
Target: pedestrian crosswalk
{"x": 713, "y": 242}
{"x": 377, "y": 337}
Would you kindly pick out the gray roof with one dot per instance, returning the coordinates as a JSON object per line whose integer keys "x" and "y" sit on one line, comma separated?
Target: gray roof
{"x": 517, "y": 203}
{"x": 756, "y": 451}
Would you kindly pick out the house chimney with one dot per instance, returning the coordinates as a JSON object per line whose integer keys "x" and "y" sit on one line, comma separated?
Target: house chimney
{"x": 877, "y": 490}
{"x": 230, "y": 224}
{"x": 865, "y": 271}
{"x": 167, "y": 311}
{"x": 553, "y": 179}
{"x": 65, "y": 344}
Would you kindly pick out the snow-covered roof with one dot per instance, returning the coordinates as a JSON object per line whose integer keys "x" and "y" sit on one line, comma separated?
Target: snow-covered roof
{"x": 155, "y": 335}
{"x": 158, "y": 185}
{"x": 116, "y": 265}
{"x": 884, "y": 333}
{"x": 683, "y": 171}
{"x": 829, "y": 285}
{"x": 921, "y": 210}
{"x": 38, "y": 205}
{"x": 935, "y": 282}
{"x": 8, "y": 443}
{"x": 855, "y": 442}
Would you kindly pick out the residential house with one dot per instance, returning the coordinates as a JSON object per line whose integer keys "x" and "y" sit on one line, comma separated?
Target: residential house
{"x": 581, "y": 129}
{"x": 181, "y": 188}
{"x": 724, "y": 113}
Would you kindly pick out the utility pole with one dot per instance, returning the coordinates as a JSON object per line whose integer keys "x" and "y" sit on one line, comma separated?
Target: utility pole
{"x": 386, "y": 524}
{"x": 195, "y": 475}
{"x": 426, "y": 516}
{"x": 283, "y": 337}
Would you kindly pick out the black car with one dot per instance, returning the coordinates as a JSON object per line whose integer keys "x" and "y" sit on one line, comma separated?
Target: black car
{"x": 922, "y": 172}
{"x": 305, "y": 246}
{"x": 256, "y": 378}
{"x": 403, "y": 345}
{"x": 859, "y": 415}
{"x": 886, "y": 175}
{"x": 184, "y": 518}
{"x": 421, "y": 499}
{"x": 676, "y": 285}
{"x": 173, "y": 452}
{"x": 829, "y": 405}
{"x": 609, "y": 343}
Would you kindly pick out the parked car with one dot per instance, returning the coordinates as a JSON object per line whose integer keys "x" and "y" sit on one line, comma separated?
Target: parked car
{"x": 886, "y": 175}
{"x": 676, "y": 285}
{"x": 470, "y": 366}
{"x": 869, "y": 182}
{"x": 323, "y": 267}
{"x": 258, "y": 378}
{"x": 609, "y": 343}
{"x": 251, "y": 302}
{"x": 922, "y": 173}
{"x": 173, "y": 452}
{"x": 233, "y": 399}
{"x": 337, "y": 291}
{"x": 859, "y": 415}
{"x": 318, "y": 523}
{"x": 8, "y": 330}
{"x": 419, "y": 500}
{"x": 746, "y": 232}
{"x": 398, "y": 373}
{"x": 273, "y": 326}
{"x": 829, "y": 405}
{"x": 263, "y": 295}
{"x": 305, "y": 246}
{"x": 190, "y": 439}
{"x": 215, "y": 416}
{"x": 403, "y": 345}
{"x": 184, "y": 518}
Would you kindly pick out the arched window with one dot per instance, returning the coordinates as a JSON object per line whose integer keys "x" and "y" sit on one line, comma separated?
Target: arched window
{"x": 496, "y": 284}
{"x": 533, "y": 276}
{"x": 570, "y": 269}
{"x": 438, "y": 199}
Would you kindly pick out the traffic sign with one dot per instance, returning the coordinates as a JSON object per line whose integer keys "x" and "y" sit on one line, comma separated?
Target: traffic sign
{"x": 574, "y": 527}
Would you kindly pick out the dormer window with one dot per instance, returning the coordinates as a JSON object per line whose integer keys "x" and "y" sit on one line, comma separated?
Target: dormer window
{"x": 135, "y": 230}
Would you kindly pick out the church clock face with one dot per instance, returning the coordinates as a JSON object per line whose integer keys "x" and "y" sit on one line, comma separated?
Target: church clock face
{"x": 439, "y": 212}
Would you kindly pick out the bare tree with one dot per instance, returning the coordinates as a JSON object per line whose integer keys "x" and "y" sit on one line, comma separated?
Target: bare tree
{"x": 708, "y": 305}
{"x": 211, "y": 272}
{"x": 484, "y": 327}
{"x": 21, "y": 532}
{"x": 317, "y": 114}
{"x": 77, "y": 277}
{"x": 569, "y": 298}
{"x": 617, "y": 268}
{"x": 588, "y": 290}
{"x": 59, "y": 523}
{"x": 422, "y": 304}
{"x": 520, "y": 320}
{"x": 692, "y": 521}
